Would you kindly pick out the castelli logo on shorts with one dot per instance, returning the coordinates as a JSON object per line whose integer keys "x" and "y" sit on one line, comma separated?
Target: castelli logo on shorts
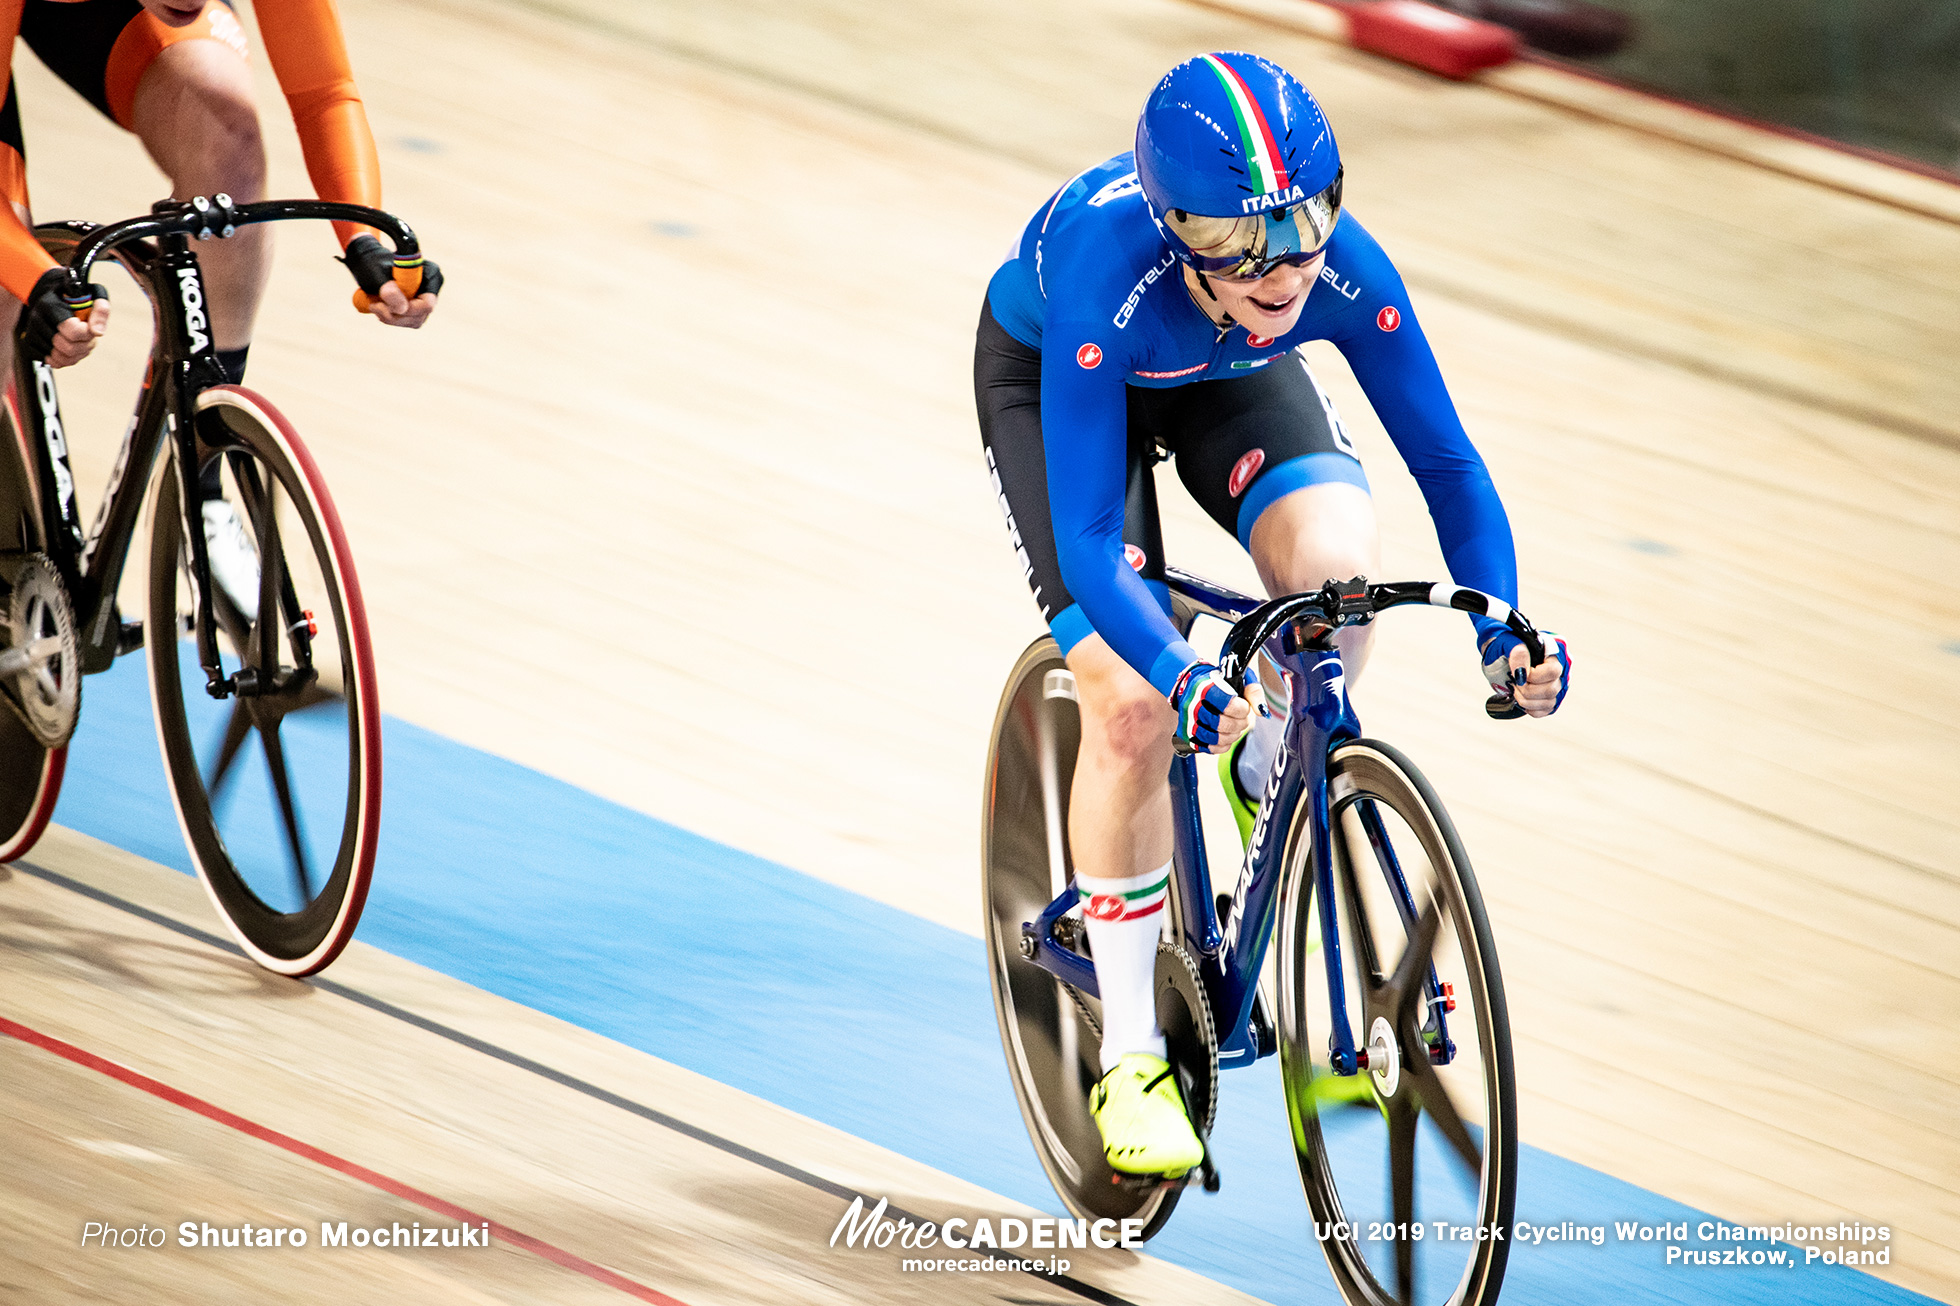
{"x": 1105, "y": 907}
{"x": 1134, "y": 556}
{"x": 1089, "y": 356}
{"x": 1260, "y": 342}
{"x": 1388, "y": 319}
{"x": 1244, "y": 470}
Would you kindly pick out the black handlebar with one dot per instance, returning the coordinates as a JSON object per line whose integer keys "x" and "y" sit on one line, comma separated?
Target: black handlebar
{"x": 201, "y": 218}
{"x": 1355, "y": 602}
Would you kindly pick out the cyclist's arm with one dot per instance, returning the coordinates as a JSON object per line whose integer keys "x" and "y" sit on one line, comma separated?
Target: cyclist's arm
{"x": 1085, "y": 433}
{"x": 1398, "y": 372}
{"x": 303, "y": 42}
{"x": 22, "y": 260}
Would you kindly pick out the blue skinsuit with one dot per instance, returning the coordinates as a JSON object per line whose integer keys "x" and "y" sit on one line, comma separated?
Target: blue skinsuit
{"x": 1093, "y": 287}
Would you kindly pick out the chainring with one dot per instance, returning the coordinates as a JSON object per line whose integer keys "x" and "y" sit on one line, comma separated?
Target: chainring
{"x": 41, "y": 665}
{"x": 1184, "y": 1012}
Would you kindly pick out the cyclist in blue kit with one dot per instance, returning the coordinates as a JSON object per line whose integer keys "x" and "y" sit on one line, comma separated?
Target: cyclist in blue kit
{"x": 1152, "y": 308}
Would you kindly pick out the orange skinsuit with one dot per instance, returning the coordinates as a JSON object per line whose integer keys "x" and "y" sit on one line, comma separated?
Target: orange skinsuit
{"x": 308, "y": 55}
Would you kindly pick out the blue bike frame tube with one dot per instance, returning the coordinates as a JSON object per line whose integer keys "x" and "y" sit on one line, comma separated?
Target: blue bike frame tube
{"x": 1230, "y": 953}
{"x": 1065, "y": 965}
{"x": 1248, "y": 924}
{"x": 1189, "y": 863}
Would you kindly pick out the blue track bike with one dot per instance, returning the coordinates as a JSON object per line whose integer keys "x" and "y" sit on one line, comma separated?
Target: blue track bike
{"x": 1404, "y": 1118}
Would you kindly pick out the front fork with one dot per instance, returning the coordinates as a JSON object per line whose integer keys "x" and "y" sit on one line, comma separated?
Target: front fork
{"x": 1329, "y": 719}
{"x": 190, "y": 499}
{"x": 1328, "y": 722}
{"x": 180, "y": 289}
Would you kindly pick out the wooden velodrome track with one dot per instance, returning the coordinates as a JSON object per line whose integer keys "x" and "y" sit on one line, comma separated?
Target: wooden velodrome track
{"x": 692, "y": 436}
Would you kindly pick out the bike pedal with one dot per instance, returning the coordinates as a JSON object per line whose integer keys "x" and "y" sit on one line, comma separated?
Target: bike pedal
{"x": 130, "y": 638}
{"x": 1207, "y": 1172}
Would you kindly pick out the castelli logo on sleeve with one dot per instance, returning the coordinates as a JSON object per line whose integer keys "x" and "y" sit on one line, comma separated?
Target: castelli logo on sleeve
{"x": 1134, "y": 556}
{"x": 1104, "y": 907}
{"x": 1260, "y": 342}
{"x": 1089, "y": 356}
{"x": 1244, "y": 470}
{"x": 1388, "y": 319}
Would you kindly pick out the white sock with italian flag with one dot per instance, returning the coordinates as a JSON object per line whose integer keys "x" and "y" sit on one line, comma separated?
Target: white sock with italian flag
{"x": 1124, "y": 918}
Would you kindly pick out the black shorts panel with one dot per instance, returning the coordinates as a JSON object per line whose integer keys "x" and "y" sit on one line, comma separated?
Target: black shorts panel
{"x": 1227, "y": 437}
{"x": 1236, "y": 442}
{"x": 74, "y": 41}
{"x": 1007, "y": 392}
{"x": 10, "y": 133}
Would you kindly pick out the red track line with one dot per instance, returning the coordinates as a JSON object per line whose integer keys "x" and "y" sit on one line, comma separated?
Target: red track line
{"x": 425, "y": 1200}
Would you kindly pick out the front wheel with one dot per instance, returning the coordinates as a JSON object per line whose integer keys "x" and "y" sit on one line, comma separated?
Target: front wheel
{"x": 277, "y": 788}
{"x": 1411, "y": 1165}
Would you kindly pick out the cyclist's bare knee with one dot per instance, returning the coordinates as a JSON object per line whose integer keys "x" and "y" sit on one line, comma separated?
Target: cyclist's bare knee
{"x": 195, "y": 113}
{"x": 1316, "y": 534}
{"x": 1125, "y": 721}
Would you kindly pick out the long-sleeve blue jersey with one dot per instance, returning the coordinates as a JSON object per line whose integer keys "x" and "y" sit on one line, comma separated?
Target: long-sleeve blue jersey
{"x": 1092, "y": 285}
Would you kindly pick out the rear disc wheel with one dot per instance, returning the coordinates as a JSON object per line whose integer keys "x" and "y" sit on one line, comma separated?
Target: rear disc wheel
{"x": 1051, "y": 1033}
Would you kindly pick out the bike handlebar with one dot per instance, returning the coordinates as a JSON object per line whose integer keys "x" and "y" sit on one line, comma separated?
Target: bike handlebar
{"x": 1353, "y": 603}
{"x": 202, "y": 218}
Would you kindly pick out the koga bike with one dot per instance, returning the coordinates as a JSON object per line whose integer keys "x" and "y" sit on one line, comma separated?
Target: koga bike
{"x": 264, "y": 691}
{"x": 1404, "y": 1118}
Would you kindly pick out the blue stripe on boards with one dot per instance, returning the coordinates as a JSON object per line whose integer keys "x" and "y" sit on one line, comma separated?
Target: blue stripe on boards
{"x": 833, "y": 1005}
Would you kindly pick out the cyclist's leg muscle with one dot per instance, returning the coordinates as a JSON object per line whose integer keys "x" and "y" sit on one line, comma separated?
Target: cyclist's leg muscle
{"x": 187, "y": 93}
{"x": 1119, "y": 821}
{"x": 1119, "y": 807}
{"x": 1316, "y": 534}
{"x": 194, "y": 111}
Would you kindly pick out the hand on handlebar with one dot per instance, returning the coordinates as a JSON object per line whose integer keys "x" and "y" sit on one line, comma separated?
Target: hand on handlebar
{"x": 1210, "y": 715}
{"x": 52, "y": 330}
{"x": 1532, "y": 690}
{"x": 381, "y": 291}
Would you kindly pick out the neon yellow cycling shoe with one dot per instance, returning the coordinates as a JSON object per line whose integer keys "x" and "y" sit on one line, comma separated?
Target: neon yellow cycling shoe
{"x": 1245, "y": 807}
{"x": 1141, "y": 1116}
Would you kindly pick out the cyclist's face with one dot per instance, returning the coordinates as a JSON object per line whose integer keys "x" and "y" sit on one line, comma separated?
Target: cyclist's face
{"x": 175, "y": 13}
{"x": 1271, "y": 305}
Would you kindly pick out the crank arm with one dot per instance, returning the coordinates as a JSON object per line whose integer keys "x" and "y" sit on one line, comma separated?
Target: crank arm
{"x": 16, "y": 660}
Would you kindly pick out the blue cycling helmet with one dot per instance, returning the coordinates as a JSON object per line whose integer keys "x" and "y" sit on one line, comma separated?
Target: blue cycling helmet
{"x": 1238, "y": 165}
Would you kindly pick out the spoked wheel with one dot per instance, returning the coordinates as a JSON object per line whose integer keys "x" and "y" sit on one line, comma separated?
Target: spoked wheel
{"x": 278, "y": 788}
{"x": 30, "y": 766}
{"x": 1434, "y": 1140}
{"x": 1052, "y": 1033}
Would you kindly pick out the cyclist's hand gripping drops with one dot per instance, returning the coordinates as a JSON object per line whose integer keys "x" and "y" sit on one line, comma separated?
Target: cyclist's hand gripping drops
{"x": 1533, "y": 690}
{"x": 51, "y": 308}
{"x": 1210, "y": 713}
{"x": 399, "y": 293}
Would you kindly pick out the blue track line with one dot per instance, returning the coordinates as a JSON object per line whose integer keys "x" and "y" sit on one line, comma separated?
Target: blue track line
{"x": 828, "y": 1003}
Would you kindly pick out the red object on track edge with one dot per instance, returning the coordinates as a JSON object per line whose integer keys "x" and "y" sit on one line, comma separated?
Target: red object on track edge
{"x": 1437, "y": 40}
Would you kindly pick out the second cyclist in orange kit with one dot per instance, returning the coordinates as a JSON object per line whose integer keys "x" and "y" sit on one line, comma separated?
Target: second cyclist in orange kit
{"x": 174, "y": 72}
